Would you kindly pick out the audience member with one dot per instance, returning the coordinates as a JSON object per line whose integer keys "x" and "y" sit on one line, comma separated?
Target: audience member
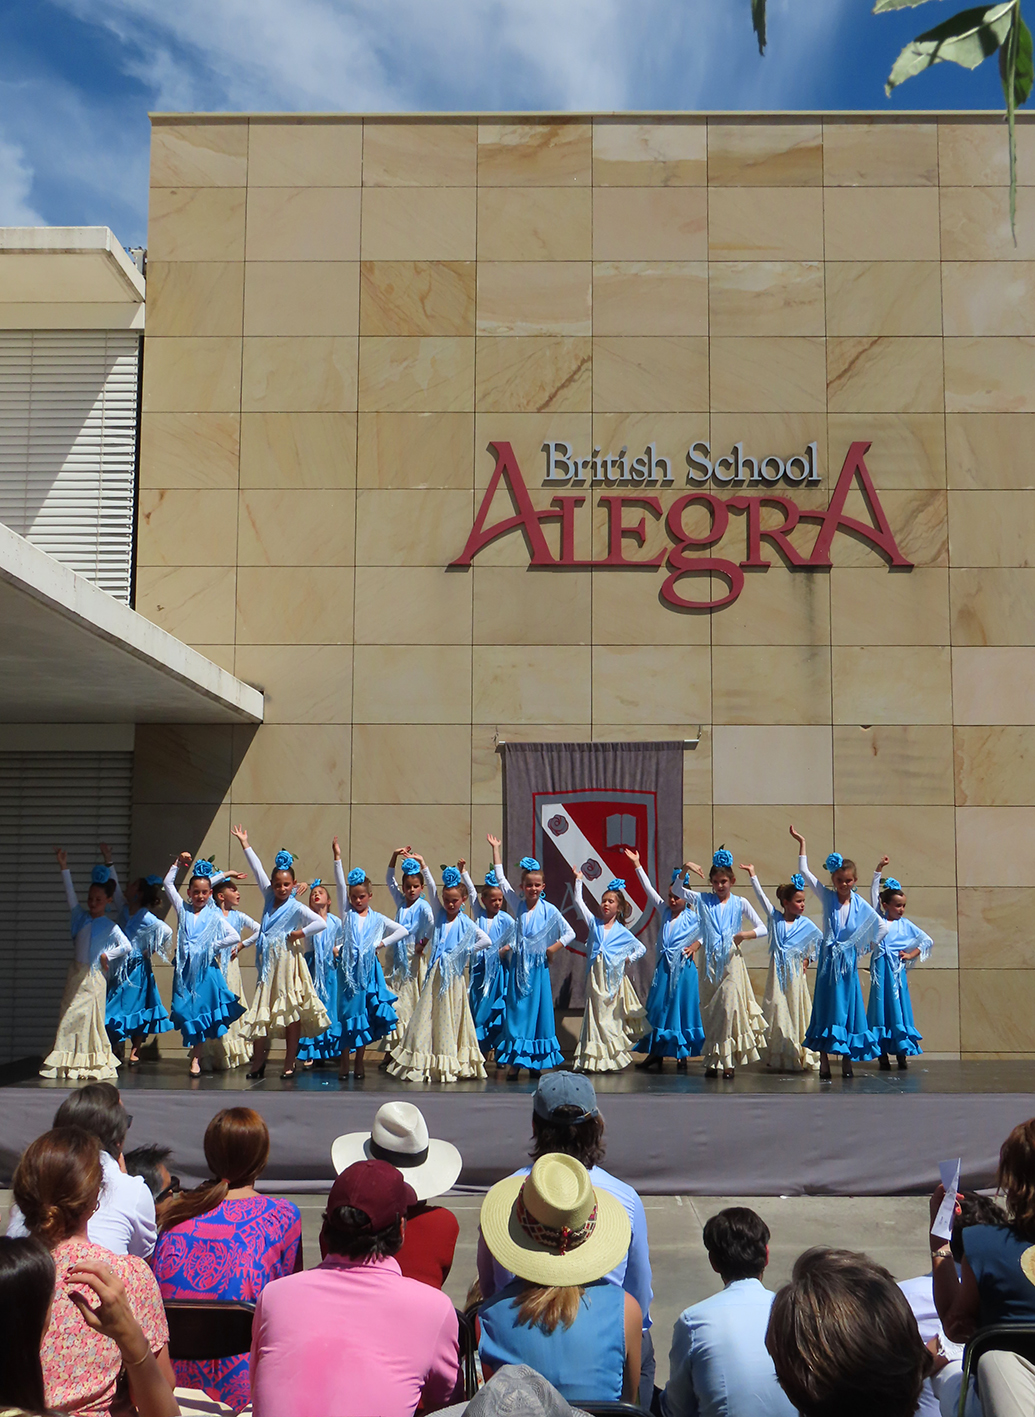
{"x": 224, "y": 1242}
{"x": 429, "y": 1167}
{"x": 151, "y": 1164}
{"x": 354, "y": 1336}
{"x": 57, "y": 1185}
{"x": 560, "y": 1236}
{"x": 844, "y": 1341}
{"x": 1006, "y": 1384}
{"x": 719, "y": 1365}
{"x": 566, "y": 1120}
{"x": 124, "y": 1221}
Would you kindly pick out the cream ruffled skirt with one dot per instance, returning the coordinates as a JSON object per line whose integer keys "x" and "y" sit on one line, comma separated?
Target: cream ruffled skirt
{"x": 233, "y": 1048}
{"x": 787, "y": 1013}
{"x": 734, "y": 1028}
{"x": 81, "y": 1049}
{"x": 441, "y": 1041}
{"x": 611, "y": 1024}
{"x": 407, "y": 992}
{"x": 288, "y": 996}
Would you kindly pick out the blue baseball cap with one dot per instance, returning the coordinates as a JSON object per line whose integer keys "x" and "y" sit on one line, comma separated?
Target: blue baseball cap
{"x": 565, "y": 1090}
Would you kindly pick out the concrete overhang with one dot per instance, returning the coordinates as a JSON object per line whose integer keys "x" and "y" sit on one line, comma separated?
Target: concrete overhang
{"x": 70, "y": 653}
{"x": 68, "y": 278}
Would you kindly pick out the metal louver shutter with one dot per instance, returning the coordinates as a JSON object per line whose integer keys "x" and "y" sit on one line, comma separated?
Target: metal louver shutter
{"x": 68, "y": 429}
{"x": 72, "y": 800}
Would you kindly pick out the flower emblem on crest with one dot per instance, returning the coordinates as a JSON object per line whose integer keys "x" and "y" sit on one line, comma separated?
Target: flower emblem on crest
{"x": 558, "y": 824}
{"x": 591, "y": 870}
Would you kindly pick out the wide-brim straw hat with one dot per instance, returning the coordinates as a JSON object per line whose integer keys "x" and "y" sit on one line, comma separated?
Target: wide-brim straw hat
{"x": 400, "y": 1136}
{"x": 552, "y": 1227}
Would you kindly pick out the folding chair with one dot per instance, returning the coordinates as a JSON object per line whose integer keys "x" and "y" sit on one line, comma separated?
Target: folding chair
{"x": 1011, "y": 1338}
{"x": 203, "y": 1331}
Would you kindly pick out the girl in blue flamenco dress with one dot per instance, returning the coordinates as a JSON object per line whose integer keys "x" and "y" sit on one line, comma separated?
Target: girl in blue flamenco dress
{"x": 322, "y": 963}
{"x": 405, "y": 966}
{"x": 365, "y": 1004}
{"x": 488, "y": 989}
{"x": 793, "y": 942}
{"x": 673, "y": 1000}
{"x": 134, "y": 1008}
{"x": 232, "y": 1049}
{"x": 851, "y": 928}
{"x": 202, "y": 1005}
{"x": 889, "y": 1010}
{"x": 613, "y": 1018}
{"x": 529, "y": 1038}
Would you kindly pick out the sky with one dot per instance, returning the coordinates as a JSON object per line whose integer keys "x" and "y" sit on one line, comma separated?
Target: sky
{"x": 79, "y": 77}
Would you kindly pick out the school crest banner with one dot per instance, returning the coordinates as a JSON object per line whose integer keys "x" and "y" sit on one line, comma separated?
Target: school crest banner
{"x": 577, "y": 806}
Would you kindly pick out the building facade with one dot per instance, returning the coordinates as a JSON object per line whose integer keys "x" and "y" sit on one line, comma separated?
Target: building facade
{"x": 356, "y": 324}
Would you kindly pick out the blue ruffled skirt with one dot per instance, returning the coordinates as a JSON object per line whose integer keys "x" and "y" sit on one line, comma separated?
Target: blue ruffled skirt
{"x": 134, "y": 1008}
{"x": 675, "y": 1020}
{"x": 488, "y": 1009}
{"x": 529, "y": 1035}
{"x": 889, "y": 1011}
{"x": 207, "y": 1012}
{"x": 328, "y": 1043}
{"x": 838, "y": 1023}
{"x": 364, "y": 1015}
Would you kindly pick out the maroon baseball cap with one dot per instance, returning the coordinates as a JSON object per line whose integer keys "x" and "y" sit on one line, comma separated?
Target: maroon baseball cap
{"x": 376, "y": 1188}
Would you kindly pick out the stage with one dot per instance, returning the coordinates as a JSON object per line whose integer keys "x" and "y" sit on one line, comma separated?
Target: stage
{"x": 677, "y": 1134}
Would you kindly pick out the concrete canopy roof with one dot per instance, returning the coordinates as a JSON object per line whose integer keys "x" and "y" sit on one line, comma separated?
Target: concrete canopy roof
{"x": 71, "y": 277}
{"x": 70, "y": 653}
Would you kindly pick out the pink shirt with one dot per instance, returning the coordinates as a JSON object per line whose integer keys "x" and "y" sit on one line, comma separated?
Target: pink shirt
{"x": 352, "y": 1339}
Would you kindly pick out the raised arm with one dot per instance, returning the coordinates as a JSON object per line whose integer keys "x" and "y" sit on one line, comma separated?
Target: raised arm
{"x": 71, "y": 899}
{"x": 169, "y": 884}
{"x": 261, "y": 877}
{"x": 652, "y": 895}
{"x": 580, "y": 902}
{"x": 390, "y": 881}
{"x": 803, "y": 864}
{"x": 472, "y": 893}
{"x": 118, "y": 900}
{"x": 875, "y": 883}
{"x": 340, "y": 883}
{"x": 429, "y": 881}
{"x": 760, "y": 894}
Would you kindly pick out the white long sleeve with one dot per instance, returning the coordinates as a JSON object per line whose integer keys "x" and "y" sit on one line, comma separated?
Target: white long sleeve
{"x": 567, "y": 934}
{"x": 875, "y": 891}
{"x": 71, "y": 899}
{"x": 341, "y": 886}
{"x": 261, "y": 877}
{"x": 580, "y": 904}
{"x": 761, "y": 928}
{"x": 393, "y": 887}
{"x": 472, "y": 894}
{"x": 803, "y": 867}
{"x": 118, "y": 900}
{"x": 314, "y": 923}
{"x": 509, "y": 893}
{"x": 169, "y": 885}
{"x": 481, "y": 940}
{"x": 393, "y": 934}
{"x": 118, "y": 945}
{"x": 429, "y": 881}
{"x": 761, "y": 896}
{"x": 652, "y": 894}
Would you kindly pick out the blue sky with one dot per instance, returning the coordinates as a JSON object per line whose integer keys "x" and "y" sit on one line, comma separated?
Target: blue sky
{"x": 78, "y": 77}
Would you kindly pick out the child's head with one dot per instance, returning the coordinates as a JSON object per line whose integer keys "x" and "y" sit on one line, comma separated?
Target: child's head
{"x": 147, "y": 892}
{"x": 613, "y": 904}
{"x": 491, "y": 895}
{"x": 199, "y": 891}
{"x": 319, "y": 896}
{"x": 533, "y": 882}
{"x": 282, "y": 877}
{"x": 102, "y": 888}
{"x": 361, "y": 892}
{"x": 792, "y": 896}
{"x": 843, "y": 873}
{"x": 412, "y": 880}
{"x": 676, "y": 898}
{"x": 721, "y": 875}
{"x": 893, "y": 899}
{"x": 227, "y": 894}
{"x": 454, "y": 892}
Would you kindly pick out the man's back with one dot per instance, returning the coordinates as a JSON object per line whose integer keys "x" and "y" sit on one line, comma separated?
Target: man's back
{"x": 719, "y": 1366}
{"x": 349, "y": 1339}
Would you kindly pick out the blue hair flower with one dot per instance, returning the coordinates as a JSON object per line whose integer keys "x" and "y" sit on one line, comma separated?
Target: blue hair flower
{"x": 529, "y": 863}
{"x": 203, "y": 868}
{"x": 677, "y": 871}
{"x": 283, "y": 861}
{"x": 100, "y": 875}
{"x": 317, "y": 882}
{"x": 153, "y": 880}
{"x": 723, "y": 859}
{"x": 617, "y": 883}
{"x": 491, "y": 879}
{"x": 357, "y": 876}
{"x": 892, "y": 885}
{"x": 451, "y": 878}
{"x": 834, "y": 862}
{"x": 410, "y": 866}
{"x": 798, "y": 881}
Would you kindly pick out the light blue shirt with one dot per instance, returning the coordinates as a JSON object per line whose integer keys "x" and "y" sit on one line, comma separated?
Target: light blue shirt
{"x": 718, "y": 1366}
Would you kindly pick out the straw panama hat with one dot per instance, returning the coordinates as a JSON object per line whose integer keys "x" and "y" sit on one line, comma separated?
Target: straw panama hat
{"x": 551, "y": 1227}
{"x": 400, "y": 1136}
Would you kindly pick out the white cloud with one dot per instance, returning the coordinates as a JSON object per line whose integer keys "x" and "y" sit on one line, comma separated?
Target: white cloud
{"x": 16, "y": 187}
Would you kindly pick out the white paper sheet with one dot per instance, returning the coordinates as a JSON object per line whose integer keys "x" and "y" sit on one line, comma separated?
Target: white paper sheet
{"x": 950, "y": 1174}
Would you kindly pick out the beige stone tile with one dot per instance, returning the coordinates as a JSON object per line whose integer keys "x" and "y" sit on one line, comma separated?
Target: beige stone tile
{"x": 223, "y": 655}
{"x": 537, "y": 684}
{"x": 298, "y": 450}
{"x": 194, "y": 297}
{"x": 298, "y": 152}
{"x": 189, "y": 450}
{"x": 990, "y": 375}
{"x": 976, "y": 224}
{"x": 995, "y": 846}
{"x": 403, "y": 604}
{"x": 650, "y": 224}
{"x": 412, "y": 684}
{"x": 765, "y": 224}
{"x": 883, "y": 298}
{"x": 303, "y": 224}
{"x": 535, "y": 224}
{"x": 188, "y": 601}
{"x": 410, "y": 527}
{"x": 198, "y": 154}
{"x": 671, "y": 434}
{"x": 292, "y": 762}
{"x": 304, "y": 828}
{"x": 664, "y": 153}
{"x": 522, "y": 606}
{"x": 642, "y": 374}
{"x": 987, "y": 298}
{"x": 894, "y": 764}
{"x": 404, "y": 153}
{"x": 160, "y": 830}
{"x": 536, "y": 374}
{"x": 650, "y": 298}
{"x": 784, "y": 434}
{"x": 995, "y": 928}
{"x": 921, "y": 842}
{"x": 993, "y": 606}
{"x": 768, "y": 373}
{"x": 537, "y": 154}
{"x": 301, "y": 298}
{"x": 993, "y": 685}
{"x": 776, "y": 608}
{"x": 184, "y": 527}
{"x": 289, "y": 526}
{"x": 304, "y": 605}
{"x": 420, "y": 375}
{"x": 440, "y": 832}
{"x": 765, "y": 298}
{"x": 765, "y": 153}
{"x": 419, "y": 224}
{"x": 771, "y": 764}
{"x": 627, "y": 610}
{"x": 183, "y": 763}
{"x": 881, "y": 224}
{"x": 535, "y": 298}
{"x": 935, "y": 993}
{"x": 300, "y": 683}
{"x": 487, "y": 773}
{"x": 974, "y": 154}
{"x": 992, "y": 528}
{"x": 995, "y": 766}
{"x": 187, "y": 375}
{"x": 697, "y": 767}
{"x": 527, "y": 433}
{"x": 880, "y": 154}
{"x": 895, "y": 607}
{"x": 387, "y": 769}
{"x": 416, "y": 449}
{"x": 907, "y": 450}
{"x": 995, "y": 1010}
{"x": 286, "y": 374}
{"x": 893, "y": 375}
{"x": 754, "y": 685}
{"x": 196, "y": 224}
{"x": 758, "y": 835}
{"x": 989, "y": 450}
{"x": 918, "y": 521}
{"x": 627, "y": 687}
{"x": 892, "y": 683}
{"x": 418, "y": 297}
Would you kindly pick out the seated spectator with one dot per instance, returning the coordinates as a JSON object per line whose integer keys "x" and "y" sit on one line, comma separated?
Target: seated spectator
{"x": 224, "y": 1242}
{"x": 353, "y": 1336}
{"x": 559, "y": 1237}
{"x": 719, "y": 1365}
{"x": 844, "y": 1341}
{"x": 151, "y": 1164}
{"x": 566, "y": 1120}
{"x": 125, "y": 1218}
{"x": 429, "y": 1167}
{"x": 57, "y": 1185}
{"x": 27, "y": 1277}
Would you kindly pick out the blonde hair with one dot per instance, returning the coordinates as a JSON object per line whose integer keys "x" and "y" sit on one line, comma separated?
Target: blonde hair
{"x": 545, "y": 1306}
